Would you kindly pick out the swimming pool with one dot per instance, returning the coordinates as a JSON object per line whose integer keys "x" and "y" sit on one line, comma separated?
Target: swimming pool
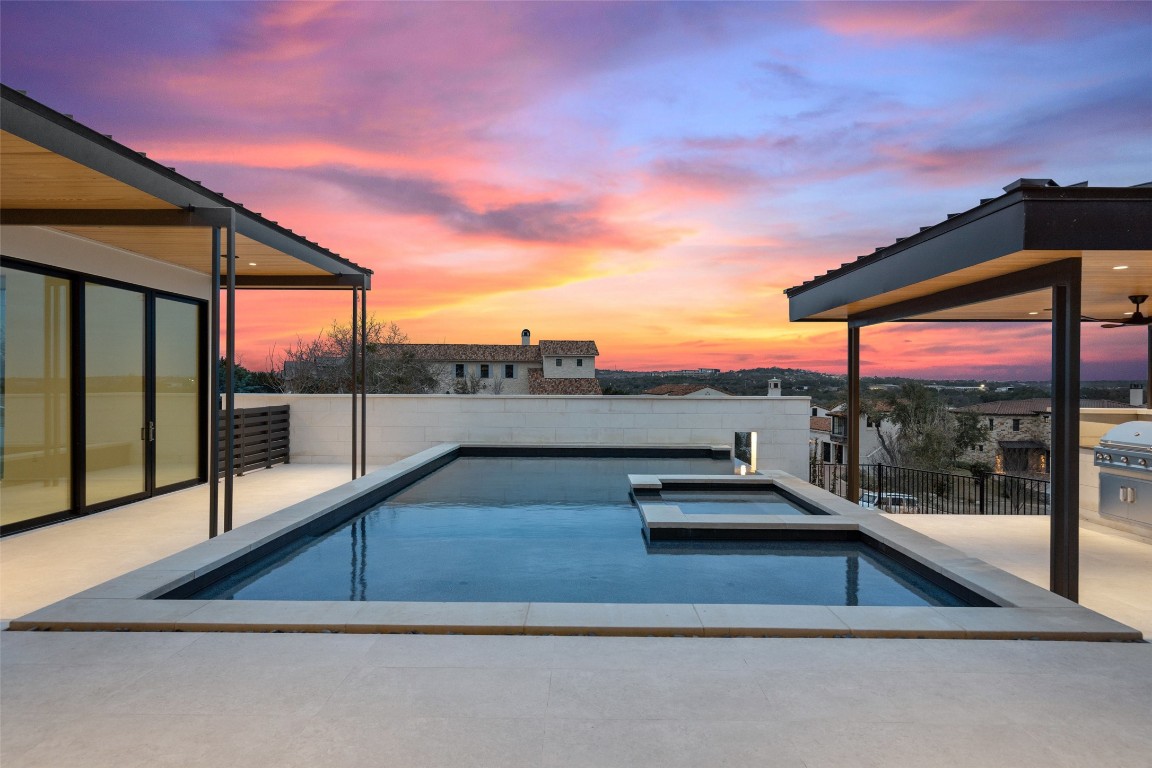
{"x": 564, "y": 530}
{"x": 151, "y": 598}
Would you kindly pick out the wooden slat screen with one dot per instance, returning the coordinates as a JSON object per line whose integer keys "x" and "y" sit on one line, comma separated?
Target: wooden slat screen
{"x": 260, "y": 438}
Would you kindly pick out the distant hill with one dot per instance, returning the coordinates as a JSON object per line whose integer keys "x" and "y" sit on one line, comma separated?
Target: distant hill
{"x": 827, "y": 389}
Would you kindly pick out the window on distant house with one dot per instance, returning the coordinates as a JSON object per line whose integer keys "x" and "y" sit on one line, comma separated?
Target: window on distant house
{"x": 991, "y": 423}
{"x": 980, "y": 448}
{"x": 459, "y": 370}
{"x": 579, "y": 362}
{"x": 509, "y": 371}
{"x": 1015, "y": 425}
{"x": 559, "y": 362}
{"x": 827, "y": 452}
{"x": 484, "y": 370}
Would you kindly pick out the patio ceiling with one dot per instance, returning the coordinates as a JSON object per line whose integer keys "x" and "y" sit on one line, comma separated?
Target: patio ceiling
{"x": 59, "y": 174}
{"x": 1033, "y": 224}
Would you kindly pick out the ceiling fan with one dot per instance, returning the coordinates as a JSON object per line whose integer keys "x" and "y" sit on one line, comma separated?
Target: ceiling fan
{"x": 1136, "y": 319}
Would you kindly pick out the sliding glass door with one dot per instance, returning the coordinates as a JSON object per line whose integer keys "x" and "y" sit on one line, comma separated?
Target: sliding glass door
{"x": 178, "y": 417}
{"x": 35, "y": 396}
{"x": 116, "y": 431}
{"x": 102, "y": 399}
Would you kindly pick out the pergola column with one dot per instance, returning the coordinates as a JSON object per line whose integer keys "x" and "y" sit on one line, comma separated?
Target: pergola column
{"x": 1065, "y": 549}
{"x": 853, "y": 413}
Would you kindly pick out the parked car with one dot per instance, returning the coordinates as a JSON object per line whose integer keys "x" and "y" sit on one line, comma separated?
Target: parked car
{"x": 890, "y": 502}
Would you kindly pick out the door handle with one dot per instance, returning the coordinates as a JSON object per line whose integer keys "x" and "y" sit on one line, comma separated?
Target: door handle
{"x": 151, "y": 431}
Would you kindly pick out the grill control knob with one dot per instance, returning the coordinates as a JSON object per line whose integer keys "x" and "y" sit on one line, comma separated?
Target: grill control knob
{"x": 1123, "y": 459}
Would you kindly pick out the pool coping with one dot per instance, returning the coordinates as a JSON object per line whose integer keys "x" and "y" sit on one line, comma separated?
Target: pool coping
{"x": 1022, "y": 610}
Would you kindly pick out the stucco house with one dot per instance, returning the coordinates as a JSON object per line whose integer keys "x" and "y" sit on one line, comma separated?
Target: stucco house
{"x": 552, "y": 367}
{"x": 829, "y": 436}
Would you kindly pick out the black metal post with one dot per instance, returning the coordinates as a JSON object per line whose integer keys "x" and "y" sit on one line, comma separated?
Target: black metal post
{"x": 355, "y": 353}
{"x": 1065, "y": 547}
{"x": 230, "y": 377}
{"x": 214, "y": 410}
{"x": 1148, "y": 383}
{"x": 364, "y": 379}
{"x": 853, "y": 413}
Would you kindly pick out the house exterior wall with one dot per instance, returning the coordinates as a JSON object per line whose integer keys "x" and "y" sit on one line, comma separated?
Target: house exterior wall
{"x": 59, "y": 249}
{"x": 401, "y": 425}
{"x": 568, "y": 369}
{"x": 42, "y": 423}
{"x": 834, "y": 450}
{"x": 496, "y": 383}
{"x": 1036, "y": 427}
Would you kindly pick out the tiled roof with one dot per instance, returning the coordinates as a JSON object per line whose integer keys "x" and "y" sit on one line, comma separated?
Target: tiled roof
{"x": 820, "y": 423}
{"x": 500, "y": 353}
{"x": 471, "y": 353}
{"x": 680, "y": 390}
{"x": 568, "y": 348}
{"x": 538, "y": 385}
{"x": 1031, "y": 406}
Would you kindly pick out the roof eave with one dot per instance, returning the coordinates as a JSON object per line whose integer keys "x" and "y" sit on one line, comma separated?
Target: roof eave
{"x": 27, "y": 118}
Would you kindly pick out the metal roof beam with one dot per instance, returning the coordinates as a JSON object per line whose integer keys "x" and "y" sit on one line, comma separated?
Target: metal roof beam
{"x": 1025, "y": 281}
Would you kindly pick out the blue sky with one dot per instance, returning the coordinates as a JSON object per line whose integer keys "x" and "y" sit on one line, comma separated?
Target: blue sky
{"x": 649, "y": 175}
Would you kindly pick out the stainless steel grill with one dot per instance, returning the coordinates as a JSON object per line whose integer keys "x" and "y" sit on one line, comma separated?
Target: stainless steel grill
{"x": 1125, "y": 460}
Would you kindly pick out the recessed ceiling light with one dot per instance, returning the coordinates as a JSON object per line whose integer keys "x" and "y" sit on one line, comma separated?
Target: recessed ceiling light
{"x": 1122, "y": 266}
{"x": 1127, "y": 313}
{"x": 1033, "y": 313}
{"x": 251, "y": 263}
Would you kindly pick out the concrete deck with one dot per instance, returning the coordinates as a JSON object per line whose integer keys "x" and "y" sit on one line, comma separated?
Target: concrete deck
{"x": 197, "y": 699}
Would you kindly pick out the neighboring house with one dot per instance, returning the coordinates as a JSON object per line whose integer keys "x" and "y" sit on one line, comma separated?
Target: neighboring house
{"x": 828, "y": 437}
{"x": 549, "y": 368}
{"x": 1019, "y": 433}
{"x": 687, "y": 390}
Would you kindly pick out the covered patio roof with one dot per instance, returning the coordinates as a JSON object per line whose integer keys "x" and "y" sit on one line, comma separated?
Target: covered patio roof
{"x": 1039, "y": 252}
{"x": 61, "y": 174}
{"x": 1034, "y": 223}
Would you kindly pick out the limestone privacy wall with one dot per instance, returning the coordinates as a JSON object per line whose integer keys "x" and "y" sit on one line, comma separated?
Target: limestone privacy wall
{"x": 401, "y": 425}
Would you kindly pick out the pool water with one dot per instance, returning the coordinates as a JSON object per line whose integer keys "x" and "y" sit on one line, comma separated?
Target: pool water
{"x": 559, "y": 530}
{"x": 721, "y": 503}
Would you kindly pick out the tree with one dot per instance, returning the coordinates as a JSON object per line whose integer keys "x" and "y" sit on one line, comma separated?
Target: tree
{"x": 928, "y": 435}
{"x": 246, "y": 381}
{"x": 469, "y": 385}
{"x": 324, "y": 365}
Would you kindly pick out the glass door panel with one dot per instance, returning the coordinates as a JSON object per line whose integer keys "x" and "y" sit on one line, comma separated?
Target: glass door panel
{"x": 35, "y": 406}
{"x": 114, "y": 393}
{"x": 177, "y": 392}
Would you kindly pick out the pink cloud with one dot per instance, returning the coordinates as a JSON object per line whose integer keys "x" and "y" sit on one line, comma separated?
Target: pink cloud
{"x": 943, "y": 21}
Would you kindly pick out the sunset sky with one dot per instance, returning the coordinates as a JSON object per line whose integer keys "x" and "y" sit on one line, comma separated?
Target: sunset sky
{"x": 650, "y": 176}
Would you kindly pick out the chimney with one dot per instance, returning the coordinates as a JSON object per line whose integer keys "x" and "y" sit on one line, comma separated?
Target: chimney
{"x": 773, "y": 387}
{"x": 525, "y": 338}
{"x": 1136, "y": 395}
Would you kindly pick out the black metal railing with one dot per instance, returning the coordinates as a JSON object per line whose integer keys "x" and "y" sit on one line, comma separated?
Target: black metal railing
{"x": 900, "y": 489}
{"x": 260, "y": 438}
